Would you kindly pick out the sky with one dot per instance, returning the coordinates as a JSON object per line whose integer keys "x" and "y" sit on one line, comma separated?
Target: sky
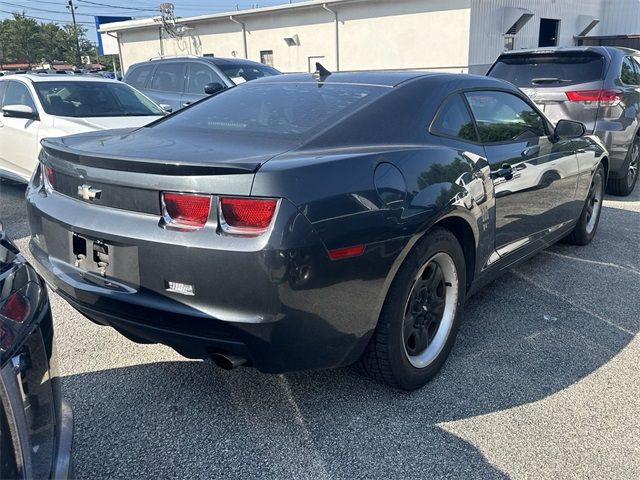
{"x": 86, "y": 10}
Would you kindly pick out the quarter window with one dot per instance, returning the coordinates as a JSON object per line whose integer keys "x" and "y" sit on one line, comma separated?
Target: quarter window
{"x": 503, "y": 117}
{"x": 629, "y": 75}
{"x": 168, "y": 77}
{"x": 18, "y": 94}
{"x": 454, "y": 120}
{"x": 139, "y": 76}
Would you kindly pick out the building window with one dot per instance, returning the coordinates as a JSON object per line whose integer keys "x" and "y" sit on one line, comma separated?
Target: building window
{"x": 266, "y": 57}
{"x": 508, "y": 42}
{"x": 209, "y": 55}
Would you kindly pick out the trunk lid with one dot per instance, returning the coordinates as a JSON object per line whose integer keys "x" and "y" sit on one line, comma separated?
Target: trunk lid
{"x": 131, "y": 168}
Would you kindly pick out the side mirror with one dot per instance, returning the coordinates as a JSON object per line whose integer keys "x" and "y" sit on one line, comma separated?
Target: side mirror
{"x": 566, "y": 129}
{"x": 166, "y": 108}
{"x": 215, "y": 87}
{"x": 19, "y": 111}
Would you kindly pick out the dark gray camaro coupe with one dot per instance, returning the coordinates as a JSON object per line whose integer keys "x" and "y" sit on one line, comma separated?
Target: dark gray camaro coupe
{"x": 310, "y": 221}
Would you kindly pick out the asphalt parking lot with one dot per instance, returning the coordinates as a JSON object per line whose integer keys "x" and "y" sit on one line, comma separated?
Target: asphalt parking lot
{"x": 543, "y": 382}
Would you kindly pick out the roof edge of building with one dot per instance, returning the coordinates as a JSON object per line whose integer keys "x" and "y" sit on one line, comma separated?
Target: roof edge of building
{"x": 155, "y": 21}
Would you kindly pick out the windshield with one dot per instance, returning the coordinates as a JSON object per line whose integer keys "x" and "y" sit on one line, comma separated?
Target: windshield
{"x": 241, "y": 73}
{"x": 285, "y": 109}
{"x": 94, "y": 99}
{"x": 549, "y": 70}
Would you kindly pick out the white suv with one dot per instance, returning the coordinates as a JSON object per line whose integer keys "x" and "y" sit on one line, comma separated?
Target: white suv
{"x": 39, "y": 106}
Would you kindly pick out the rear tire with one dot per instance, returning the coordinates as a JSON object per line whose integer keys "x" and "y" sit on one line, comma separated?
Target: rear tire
{"x": 587, "y": 225}
{"x": 421, "y": 314}
{"x": 625, "y": 185}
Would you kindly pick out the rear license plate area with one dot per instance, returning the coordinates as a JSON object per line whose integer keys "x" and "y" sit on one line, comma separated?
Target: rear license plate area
{"x": 91, "y": 255}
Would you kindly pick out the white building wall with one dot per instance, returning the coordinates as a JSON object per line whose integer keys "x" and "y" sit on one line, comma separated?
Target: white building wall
{"x": 487, "y": 35}
{"x": 621, "y": 17}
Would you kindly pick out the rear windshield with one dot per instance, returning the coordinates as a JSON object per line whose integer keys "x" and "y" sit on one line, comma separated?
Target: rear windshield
{"x": 549, "y": 70}
{"x": 94, "y": 99}
{"x": 283, "y": 109}
{"x": 243, "y": 73}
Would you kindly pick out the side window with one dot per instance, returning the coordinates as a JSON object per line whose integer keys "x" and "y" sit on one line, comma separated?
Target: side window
{"x": 3, "y": 87}
{"x": 18, "y": 94}
{"x": 453, "y": 120}
{"x": 139, "y": 76}
{"x": 200, "y": 75}
{"x": 503, "y": 117}
{"x": 629, "y": 75}
{"x": 168, "y": 77}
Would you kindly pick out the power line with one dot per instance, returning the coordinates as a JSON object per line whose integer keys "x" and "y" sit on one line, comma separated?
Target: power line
{"x": 42, "y": 9}
{"x": 53, "y": 20}
{"x": 116, "y": 6}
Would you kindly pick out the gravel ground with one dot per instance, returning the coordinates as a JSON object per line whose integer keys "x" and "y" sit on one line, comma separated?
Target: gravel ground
{"x": 543, "y": 382}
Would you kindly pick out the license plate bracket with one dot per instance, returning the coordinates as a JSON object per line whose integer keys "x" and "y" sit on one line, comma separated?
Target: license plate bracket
{"x": 91, "y": 255}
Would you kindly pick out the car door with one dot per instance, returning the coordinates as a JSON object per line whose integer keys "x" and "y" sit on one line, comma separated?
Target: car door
{"x": 199, "y": 74}
{"x": 167, "y": 84}
{"x": 534, "y": 176}
{"x": 19, "y": 136}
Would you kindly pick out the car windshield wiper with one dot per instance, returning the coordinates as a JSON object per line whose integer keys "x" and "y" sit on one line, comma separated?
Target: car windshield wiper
{"x": 536, "y": 81}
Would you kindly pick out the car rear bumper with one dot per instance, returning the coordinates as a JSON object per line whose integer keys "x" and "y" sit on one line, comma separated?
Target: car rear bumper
{"x": 617, "y": 142}
{"x": 277, "y": 301}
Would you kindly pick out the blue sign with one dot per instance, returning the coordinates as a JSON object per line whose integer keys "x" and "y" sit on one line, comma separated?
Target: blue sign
{"x": 104, "y": 21}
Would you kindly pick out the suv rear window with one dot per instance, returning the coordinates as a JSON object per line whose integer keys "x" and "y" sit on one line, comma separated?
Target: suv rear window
{"x": 549, "y": 69}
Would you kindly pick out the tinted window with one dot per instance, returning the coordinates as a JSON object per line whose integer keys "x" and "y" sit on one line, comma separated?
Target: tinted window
{"x": 454, "y": 120}
{"x": 503, "y": 117}
{"x": 243, "y": 73}
{"x": 93, "y": 99}
{"x": 200, "y": 75}
{"x": 629, "y": 75}
{"x": 3, "y": 86}
{"x": 549, "y": 70}
{"x": 168, "y": 77}
{"x": 139, "y": 76}
{"x": 18, "y": 94}
{"x": 287, "y": 109}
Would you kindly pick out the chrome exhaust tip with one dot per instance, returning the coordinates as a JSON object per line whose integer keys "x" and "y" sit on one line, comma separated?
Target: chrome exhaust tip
{"x": 226, "y": 361}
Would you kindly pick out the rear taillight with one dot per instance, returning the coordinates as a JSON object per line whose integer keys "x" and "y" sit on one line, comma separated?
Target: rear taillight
{"x": 49, "y": 177}
{"x": 185, "y": 211}
{"x": 246, "y": 216}
{"x": 16, "y": 308}
{"x": 596, "y": 98}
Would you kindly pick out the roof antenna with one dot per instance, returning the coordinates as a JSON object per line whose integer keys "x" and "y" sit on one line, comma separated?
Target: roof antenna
{"x": 321, "y": 73}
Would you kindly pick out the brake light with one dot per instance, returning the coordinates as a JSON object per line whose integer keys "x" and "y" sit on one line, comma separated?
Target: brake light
{"x": 49, "y": 177}
{"x": 246, "y": 216}
{"x": 346, "y": 252}
{"x": 16, "y": 308}
{"x": 185, "y": 211}
{"x": 604, "y": 98}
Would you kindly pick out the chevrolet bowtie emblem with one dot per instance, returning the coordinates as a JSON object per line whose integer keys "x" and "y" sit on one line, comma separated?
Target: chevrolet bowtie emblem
{"x": 87, "y": 192}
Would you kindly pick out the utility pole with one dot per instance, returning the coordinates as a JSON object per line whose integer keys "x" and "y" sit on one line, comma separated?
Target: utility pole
{"x": 75, "y": 30}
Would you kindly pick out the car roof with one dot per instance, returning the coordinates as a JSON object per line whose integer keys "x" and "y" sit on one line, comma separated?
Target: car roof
{"x": 189, "y": 58}
{"x": 603, "y": 50}
{"x": 387, "y": 78}
{"x": 45, "y": 77}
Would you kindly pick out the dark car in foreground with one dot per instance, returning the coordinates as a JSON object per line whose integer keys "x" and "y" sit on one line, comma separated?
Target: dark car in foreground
{"x": 311, "y": 221}
{"x": 36, "y": 424}
{"x": 175, "y": 82}
{"x": 598, "y": 86}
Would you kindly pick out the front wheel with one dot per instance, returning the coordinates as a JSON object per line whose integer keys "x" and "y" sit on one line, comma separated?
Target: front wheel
{"x": 587, "y": 225}
{"x": 421, "y": 314}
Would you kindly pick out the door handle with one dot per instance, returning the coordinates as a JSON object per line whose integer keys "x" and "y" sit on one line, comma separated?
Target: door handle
{"x": 506, "y": 171}
{"x": 527, "y": 152}
{"x": 186, "y": 104}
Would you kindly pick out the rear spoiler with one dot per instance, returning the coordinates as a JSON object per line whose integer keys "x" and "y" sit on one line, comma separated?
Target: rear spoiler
{"x": 53, "y": 149}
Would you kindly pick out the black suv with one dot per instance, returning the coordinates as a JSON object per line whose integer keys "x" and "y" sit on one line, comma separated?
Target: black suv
{"x": 175, "y": 82}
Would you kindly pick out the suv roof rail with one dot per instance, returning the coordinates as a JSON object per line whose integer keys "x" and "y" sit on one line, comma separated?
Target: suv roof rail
{"x": 172, "y": 56}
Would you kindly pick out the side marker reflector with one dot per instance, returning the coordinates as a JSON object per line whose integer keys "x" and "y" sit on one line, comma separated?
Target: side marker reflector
{"x": 346, "y": 252}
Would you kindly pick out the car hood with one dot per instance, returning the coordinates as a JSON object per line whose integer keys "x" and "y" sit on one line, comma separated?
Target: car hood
{"x": 71, "y": 125}
{"x": 153, "y": 151}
